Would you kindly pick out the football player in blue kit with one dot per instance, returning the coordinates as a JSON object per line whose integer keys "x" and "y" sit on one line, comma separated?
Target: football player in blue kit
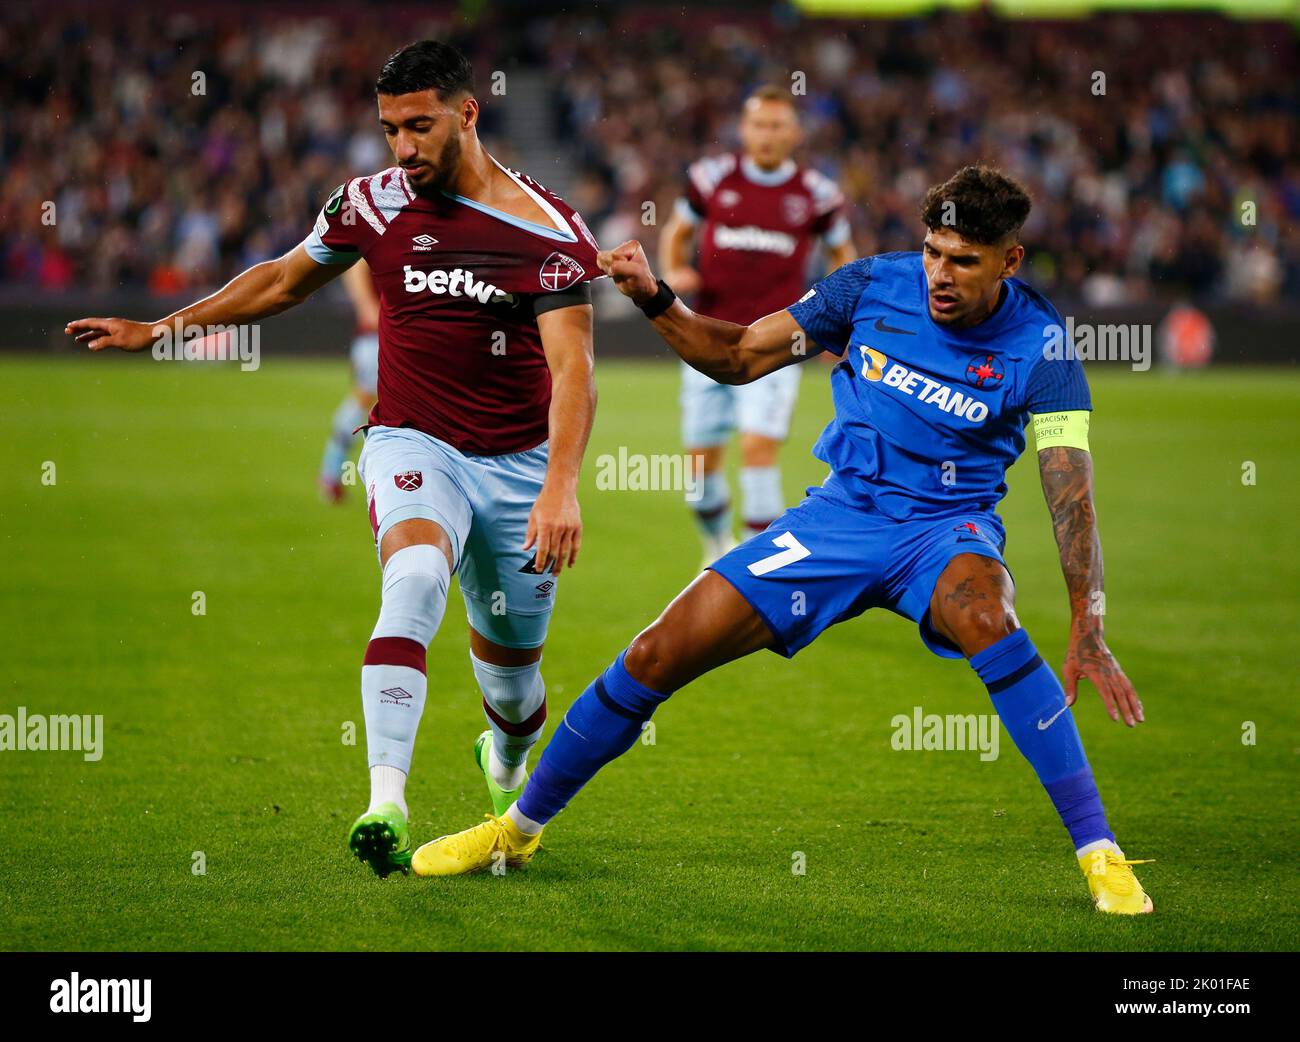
{"x": 947, "y": 357}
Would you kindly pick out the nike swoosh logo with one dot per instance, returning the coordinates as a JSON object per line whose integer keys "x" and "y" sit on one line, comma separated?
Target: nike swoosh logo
{"x": 1044, "y": 726}
{"x": 882, "y": 328}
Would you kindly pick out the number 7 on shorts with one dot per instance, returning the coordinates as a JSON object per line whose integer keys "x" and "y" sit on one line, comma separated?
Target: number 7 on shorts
{"x": 794, "y": 551}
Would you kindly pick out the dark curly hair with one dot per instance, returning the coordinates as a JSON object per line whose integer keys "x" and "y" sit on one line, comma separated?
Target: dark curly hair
{"x": 978, "y": 203}
{"x": 426, "y": 65}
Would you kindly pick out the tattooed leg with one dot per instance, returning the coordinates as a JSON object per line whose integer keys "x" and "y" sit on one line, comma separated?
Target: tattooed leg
{"x": 974, "y": 603}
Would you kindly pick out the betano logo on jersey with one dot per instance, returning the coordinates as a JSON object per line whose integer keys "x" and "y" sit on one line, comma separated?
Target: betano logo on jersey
{"x": 754, "y": 239}
{"x": 931, "y": 392}
{"x": 459, "y": 282}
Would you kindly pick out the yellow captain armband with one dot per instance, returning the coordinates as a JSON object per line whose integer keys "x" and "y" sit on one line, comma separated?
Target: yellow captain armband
{"x": 1066, "y": 429}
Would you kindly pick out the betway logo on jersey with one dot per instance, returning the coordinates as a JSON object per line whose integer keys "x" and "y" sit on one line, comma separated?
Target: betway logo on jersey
{"x": 755, "y": 239}
{"x": 922, "y": 388}
{"x": 459, "y": 282}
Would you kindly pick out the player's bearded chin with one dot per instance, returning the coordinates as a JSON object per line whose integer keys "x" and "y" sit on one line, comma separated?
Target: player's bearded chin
{"x": 442, "y": 173}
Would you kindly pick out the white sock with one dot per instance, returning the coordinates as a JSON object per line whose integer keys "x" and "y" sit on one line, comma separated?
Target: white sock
{"x": 522, "y": 822}
{"x": 387, "y": 785}
{"x": 514, "y": 702}
{"x": 393, "y": 682}
{"x": 507, "y": 777}
{"x": 1099, "y": 844}
{"x": 761, "y": 499}
{"x": 713, "y": 509}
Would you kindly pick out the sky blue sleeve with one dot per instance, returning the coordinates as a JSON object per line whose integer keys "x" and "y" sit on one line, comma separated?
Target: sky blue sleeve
{"x": 825, "y": 312}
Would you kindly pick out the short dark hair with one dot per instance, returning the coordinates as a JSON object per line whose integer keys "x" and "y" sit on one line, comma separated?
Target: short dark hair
{"x": 986, "y": 207}
{"x": 426, "y": 65}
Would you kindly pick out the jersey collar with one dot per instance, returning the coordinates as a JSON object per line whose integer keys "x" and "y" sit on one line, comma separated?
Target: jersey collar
{"x": 768, "y": 178}
{"x": 559, "y": 229}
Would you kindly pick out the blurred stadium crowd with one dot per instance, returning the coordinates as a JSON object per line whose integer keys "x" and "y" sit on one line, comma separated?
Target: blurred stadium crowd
{"x": 1145, "y": 190}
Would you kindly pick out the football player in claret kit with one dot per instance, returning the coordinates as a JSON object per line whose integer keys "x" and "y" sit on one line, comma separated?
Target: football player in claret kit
{"x": 943, "y": 366}
{"x": 754, "y": 217}
{"x": 486, "y": 400}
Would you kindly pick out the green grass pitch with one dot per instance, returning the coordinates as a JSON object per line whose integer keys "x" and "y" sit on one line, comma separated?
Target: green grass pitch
{"x": 224, "y": 731}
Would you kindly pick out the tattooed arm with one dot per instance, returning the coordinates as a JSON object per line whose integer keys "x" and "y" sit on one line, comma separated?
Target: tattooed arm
{"x": 1067, "y": 486}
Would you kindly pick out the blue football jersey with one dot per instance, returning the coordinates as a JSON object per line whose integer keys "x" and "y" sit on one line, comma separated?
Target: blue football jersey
{"x": 928, "y": 419}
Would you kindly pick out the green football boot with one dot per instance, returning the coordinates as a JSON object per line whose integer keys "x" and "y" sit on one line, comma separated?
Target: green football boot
{"x": 381, "y": 839}
{"x": 501, "y": 799}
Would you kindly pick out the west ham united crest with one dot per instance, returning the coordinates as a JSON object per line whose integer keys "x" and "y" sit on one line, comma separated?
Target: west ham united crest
{"x": 795, "y": 207}
{"x": 408, "y": 481}
{"x": 559, "y": 271}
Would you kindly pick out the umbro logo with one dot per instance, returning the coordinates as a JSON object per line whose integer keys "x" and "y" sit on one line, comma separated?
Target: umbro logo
{"x": 545, "y": 588}
{"x": 424, "y": 242}
{"x": 397, "y": 696}
{"x": 881, "y": 327}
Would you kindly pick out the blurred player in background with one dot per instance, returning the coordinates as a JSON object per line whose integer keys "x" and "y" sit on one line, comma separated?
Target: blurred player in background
{"x": 356, "y": 405}
{"x": 486, "y": 400}
{"x": 753, "y": 217}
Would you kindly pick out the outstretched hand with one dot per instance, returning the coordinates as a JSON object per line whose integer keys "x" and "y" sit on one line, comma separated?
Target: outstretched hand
{"x": 100, "y": 333}
{"x": 628, "y": 267}
{"x": 1089, "y": 658}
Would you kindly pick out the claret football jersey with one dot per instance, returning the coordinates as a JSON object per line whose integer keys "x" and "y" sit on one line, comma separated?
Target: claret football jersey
{"x": 460, "y": 287}
{"x": 756, "y": 230}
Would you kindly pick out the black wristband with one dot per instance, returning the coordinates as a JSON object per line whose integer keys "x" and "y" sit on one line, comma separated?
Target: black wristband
{"x": 660, "y": 302}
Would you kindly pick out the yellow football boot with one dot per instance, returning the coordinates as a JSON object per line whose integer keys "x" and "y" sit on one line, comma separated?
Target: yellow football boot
{"x": 1115, "y": 889}
{"x": 494, "y": 844}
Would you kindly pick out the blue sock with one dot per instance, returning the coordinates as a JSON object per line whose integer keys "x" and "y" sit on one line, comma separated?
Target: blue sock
{"x": 1031, "y": 705}
{"x": 601, "y": 725}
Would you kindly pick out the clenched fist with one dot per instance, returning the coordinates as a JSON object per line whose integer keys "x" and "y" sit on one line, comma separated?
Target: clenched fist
{"x": 628, "y": 267}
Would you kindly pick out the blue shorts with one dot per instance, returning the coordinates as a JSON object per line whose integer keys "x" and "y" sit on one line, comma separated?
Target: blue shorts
{"x": 825, "y": 561}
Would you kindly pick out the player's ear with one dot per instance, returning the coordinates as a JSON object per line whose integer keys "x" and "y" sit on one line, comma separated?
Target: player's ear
{"x": 1011, "y": 261}
{"x": 468, "y": 113}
